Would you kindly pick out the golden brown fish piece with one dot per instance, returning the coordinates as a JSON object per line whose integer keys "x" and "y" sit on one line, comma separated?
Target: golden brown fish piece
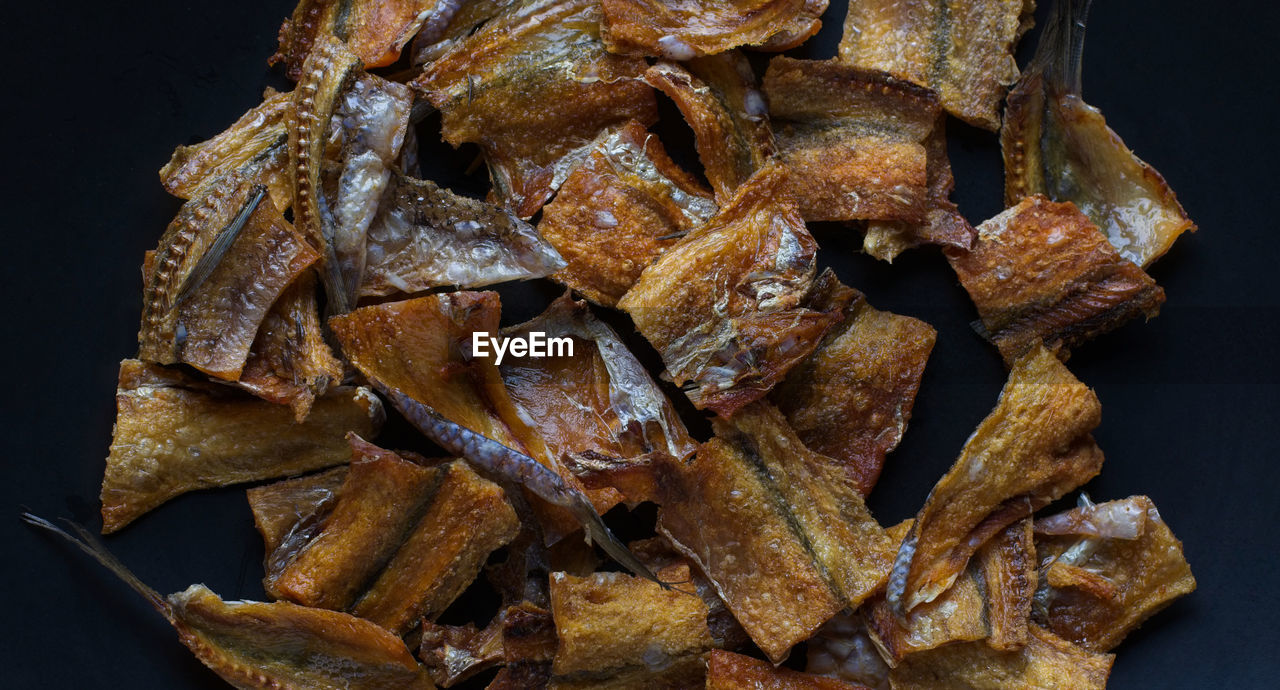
{"x": 614, "y": 627}
{"x": 1045, "y": 662}
{"x": 726, "y": 307}
{"x": 436, "y": 40}
{"x": 175, "y": 434}
{"x": 851, "y": 399}
{"x": 375, "y": 30}
{"x": 425, "y": 236}
{"x": 659, "y": 554}
{"x": 256, "y": 146}
{"x": 624, "y": 204}
{"x": 533, "y": 88}
{"x": 280, "y": 507}
{"x": 694, "y": 28}
{"x": 1033, "y": 448}
{"x": 962, "y": 49}
{"x": 290, "y": 363}
{"x": 1108, "y": 567}
{"x": 1057, "y": 145}
{"x": 272, "y": 646}
{"x": 730, "y": 671}
{"x": 942, "y": 225}
{"x": 717, "y": 96}
{"x": 1008, "y": 566}
{"x": 854, "y": 140}
{"x": 1042, "y": 272}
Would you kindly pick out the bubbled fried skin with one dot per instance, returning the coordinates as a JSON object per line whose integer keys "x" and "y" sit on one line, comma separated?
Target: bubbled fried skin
{"x": 1042, "y": 272}
{"x": 1057, "y": 145}
{"x": 729, "y": 671}
{"x": 175, "y": 434}
{"x": 695, "y": 28}
{"x": 851, "y": 399}
{"x": 1034, "y": 447}
{"x": 374, "y": 30}
{"x": 533, "y": 88}
{"x": 726, "y": 307}
{"x": 1046, "y": 661}
{"x": 1097, "y": 586}
{"x": 853, "y": 140}
{"x": 622, "y": 206}
{"x": 962, "y": 49}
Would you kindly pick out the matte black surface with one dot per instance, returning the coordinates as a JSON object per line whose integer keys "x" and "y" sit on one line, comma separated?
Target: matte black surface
{"x": 99, "y": 94}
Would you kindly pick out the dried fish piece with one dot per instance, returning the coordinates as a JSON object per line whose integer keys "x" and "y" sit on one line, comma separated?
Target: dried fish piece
{"x": 1045, "y": 662}
{"x": 425, "y": 236}
{"x": 962, "y": 49}
{"x": 255, "y": 146}
{"x": 175, "y": 434}
{"x": 1041, "y": 272}
{"x": 843, "y": 649}
{"x": 533, "y": 88}
{"x": 436, "y": 40}
{"x": 717, "y": 96}
{"x": 1057, "y": 145}
{"x": 1107, "y": 568}
{"x": 454, "y": 653}
{"x": 624, "y": 204}
{"x": 854, "y": 140}
{"x": 279, "y": 508}
{"x": 726, "y": 306}
{"x": 1008, "y": 565}
{"x": 851, "y": 399}
{"x": 659, "y": 555}
{"x": 278, "y": 645}
{"x": 685, "y": 30}
{"x": 374, "y": 30}
{"x": 614, "y": 627}
{"x": 1033, "y": 448}
{"x": 529, "y": 645}
{"x": 729, "y": 671}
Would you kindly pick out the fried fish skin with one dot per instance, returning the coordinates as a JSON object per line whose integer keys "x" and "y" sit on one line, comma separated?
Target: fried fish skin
{"x": 962, "y": 49}
{"x": 1057, "y": 145}
{"x": 375, "y": 30}
{"x": 696, "y": 28}
{"x": 1046, "y": 661}
{"x": 730, "y": 671}
{"x": 175, "y": 434}
{"x": 278, "y": 507}
{"x": 1042, "y": 272}
{"x": 1033, "y": 448}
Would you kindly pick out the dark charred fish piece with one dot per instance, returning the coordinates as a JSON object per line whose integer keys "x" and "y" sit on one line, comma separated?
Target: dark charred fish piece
{"x": 962, "y": 49}
{"x": 621, "y": 207}
{"x": 1057, "y": 145}
{"x": 426, "y": 236}
{"x": 1042, "y": 272}
{"x": 270, "y": 646}
{"x": 1033, "y": 448}
{"x": 730, "y": 671}
{"x": 255, "y": 146}
{"x": 1046, "y": 661}
{"x": 1107, "y": 568}
{"x": 533, "y": 88}
{"x": 851, "y": 398}
{"x": 842, "y": 649}
{"x": 717, "y": 96}
{"x": 529, "y": 645}
{"x": 175, "y": 434}
{"x": 853, "y": 140}
{"x": 726, "y": 307}
{"x": 374, "y": 30}
{"x": 696, "y": 28}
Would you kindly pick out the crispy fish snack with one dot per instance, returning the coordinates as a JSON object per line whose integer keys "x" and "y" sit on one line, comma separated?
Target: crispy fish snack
{"x": 255, "y": 146}
{"x": 842, "y": 649}
{"x": 279, "y": 508}
{"x": 529, "y": 645}
{"x": 436, "y": 40}
{"x": 1045, "y": 662}
{"x": 624, "y": 204}
{"x": 533, "y": 88}
{"x": 717, "y": 96}
{"x": 726, "y": 306}
{"x": 614, "y": 625}
{"x": 729, "y": 671}
{"x": 174, "y": 434}
{"x": 1108, "y": 567}
{"x": 1008, "y": 565}
{"x": 942, "y": 225}
{"x": 425, "y": 236}
{"x": 1034, "y": 447}
{"x": 854, "y": 140}
{"x": 1042, "y": 272}
{"x": 694, "y": 28}
{"x": 851, "y": 399}
{"x": 290, "y": 363}
{"x": 374, "y": 30}
{"x": 454, "y": 653}
{"x": 1057, "y": 145}
{"x": 962, "y": 49}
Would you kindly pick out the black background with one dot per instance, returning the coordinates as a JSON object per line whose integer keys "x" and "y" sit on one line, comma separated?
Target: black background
{"x": 98, "y": 95}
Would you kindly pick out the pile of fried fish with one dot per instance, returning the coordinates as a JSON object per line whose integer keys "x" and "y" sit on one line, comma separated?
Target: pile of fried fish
{"x": 314, "y": 280}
